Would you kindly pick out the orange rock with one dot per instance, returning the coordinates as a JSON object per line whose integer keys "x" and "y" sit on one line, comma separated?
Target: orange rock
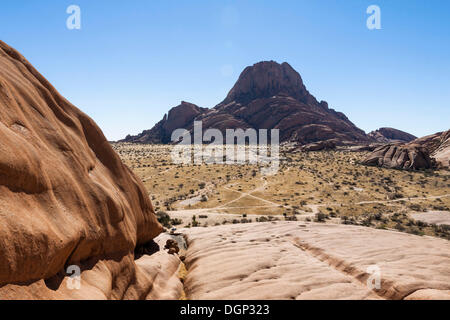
{"x": 65, "y": 196}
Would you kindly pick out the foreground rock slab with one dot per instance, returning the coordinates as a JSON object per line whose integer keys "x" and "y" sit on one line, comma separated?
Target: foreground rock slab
{"x": 152, "y": 277}
{"x": 298, "y": 260}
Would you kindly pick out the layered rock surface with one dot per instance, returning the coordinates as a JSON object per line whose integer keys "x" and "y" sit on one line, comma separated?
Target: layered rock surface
{"x": 319, "y": 146}
{"x": 300, "y": 260}
{"x": 267, "y": 95}
{"x": 66, "y": 199}
{"x": 438, "y": 145}
{"x": 400, "y": 157}
{"x": 385, "y": 135}
{"x": 423, "y": 153}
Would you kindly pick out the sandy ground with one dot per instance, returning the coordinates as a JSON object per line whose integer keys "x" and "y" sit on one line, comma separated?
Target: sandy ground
{"x": 302, "y": 260}
{"x": 436, "y": 217}
{"x": 211, "y": 217}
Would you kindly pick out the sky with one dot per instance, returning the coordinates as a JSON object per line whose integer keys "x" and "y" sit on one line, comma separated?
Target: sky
{"x": 132, "y": 61}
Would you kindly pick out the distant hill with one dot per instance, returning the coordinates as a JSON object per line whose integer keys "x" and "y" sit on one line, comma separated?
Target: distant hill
{"x": 386, "y": 135}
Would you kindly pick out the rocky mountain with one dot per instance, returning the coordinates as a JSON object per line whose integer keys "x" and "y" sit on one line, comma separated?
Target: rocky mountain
{"x": 181, "y": 116}
{"x": 67, "y": 202}
{"x": 431, "y": 151}
{"x": 386, "y": 135}
{"x": 267, "y": 95}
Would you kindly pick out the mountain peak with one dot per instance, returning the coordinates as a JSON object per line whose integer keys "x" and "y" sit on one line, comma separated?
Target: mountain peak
{"x": 267, "y": 79}
{"x": 267, "y": 95}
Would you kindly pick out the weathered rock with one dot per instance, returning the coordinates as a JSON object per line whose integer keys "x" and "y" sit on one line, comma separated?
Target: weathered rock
{"x": 423, "y": 153}
{"x": 398, "y": 156}
{"x": 361, "y": 148}
{"x": 66, "y": 199}
{"x": 172, "y": 246}
{"x": 301, "y": 260}
{"x": 386, "y": 135}
{"x": 179, "y": 117}
{"x": 319, "y": 146}
{"x": 267, "y": 95}
{"x": 438, "y": 145}
{"x": 442, "y": 153}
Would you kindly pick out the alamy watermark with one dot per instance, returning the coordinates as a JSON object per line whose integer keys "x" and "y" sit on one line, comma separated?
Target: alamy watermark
{"x": 74, "y": 280}
{"x": 374, "y": 280}
{"x": 73, "y": 22}
{"x": 374, "y": 20}
{"x": 240, "y": 146}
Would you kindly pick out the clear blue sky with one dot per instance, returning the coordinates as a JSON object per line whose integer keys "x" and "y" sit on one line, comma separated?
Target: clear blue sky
{"x": 134, "y": 60}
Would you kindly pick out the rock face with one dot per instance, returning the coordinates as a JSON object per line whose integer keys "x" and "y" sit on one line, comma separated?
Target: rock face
{"x": 438, "y": 145}
{"x": 386, "y": 135}
{"x": 301, "y": 260}
{"x": 319, "y": 146}
{"x": 267, "y": 95}
{"x": 423, "y": 153}
{"x": 66, "y": 199}
{"x": 179, "y": 117}
{"x": 397, "y": 156}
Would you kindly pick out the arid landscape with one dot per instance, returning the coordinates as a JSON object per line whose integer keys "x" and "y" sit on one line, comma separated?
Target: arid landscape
{"x": 346, "y": 215}
{"x": 331, "y": 185}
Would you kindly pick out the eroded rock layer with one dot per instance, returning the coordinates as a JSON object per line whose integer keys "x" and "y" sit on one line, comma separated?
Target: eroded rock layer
{"x": 438, "y": 145}
{"x": 65, "y": 197}
{"x": 301, "y": 260}
{"x": 385, "y": 135}
{"x": 431, "y": 151}
{"x": 400, "y": 157}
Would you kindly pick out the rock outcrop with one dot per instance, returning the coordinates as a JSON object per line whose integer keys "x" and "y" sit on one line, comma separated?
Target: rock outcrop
{"x": 67, "y": 201}
{"x": 181, "y": 116}
{"x": 267, "y": 95}
{"x": 431, "y": 151}
{"x": 438, "y": 145}
{"x": 386, "y": 135}
{"x": 319, "y": 146}
{"x": 301, "y": 260}
{"x": 398, "y": 156}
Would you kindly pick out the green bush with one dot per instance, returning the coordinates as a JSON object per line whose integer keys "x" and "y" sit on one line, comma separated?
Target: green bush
{"x": 320, "y": 217}
{"x": 164, "y": 219}
{"x": 176, "y": 221}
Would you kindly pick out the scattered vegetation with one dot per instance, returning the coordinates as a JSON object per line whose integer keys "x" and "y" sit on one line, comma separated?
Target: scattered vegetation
{"x": 331, "y": 182}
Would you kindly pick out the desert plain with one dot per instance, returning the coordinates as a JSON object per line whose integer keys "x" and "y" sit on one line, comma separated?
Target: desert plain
{"x": 330, "y": 186}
